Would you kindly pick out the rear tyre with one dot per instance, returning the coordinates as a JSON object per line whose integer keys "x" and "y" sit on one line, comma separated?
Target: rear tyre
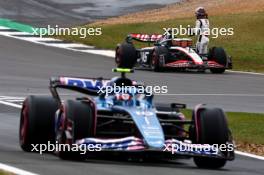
{"x": 78, "y": 120}
{"x": 126, "y": 55}
{"x": 219, "y": 55}
{"x": 155, "y": 62}
{"x": 37, "y": 121}
{"x": 213, "y": 129}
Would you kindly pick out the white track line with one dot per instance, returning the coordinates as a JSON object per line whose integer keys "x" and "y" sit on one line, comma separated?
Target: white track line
{"x": 13, "y": 98}
{"x": 229, "y": 95}
{"x": 242, "y": 72}
{"x": 237, "y": 152}
{"x": 249, "y": 155}
{"x": 15, "y": 170}
{"x": 9, "y": 168}
{"x": 11, "y": 104}
{"x": 2, "y": 27}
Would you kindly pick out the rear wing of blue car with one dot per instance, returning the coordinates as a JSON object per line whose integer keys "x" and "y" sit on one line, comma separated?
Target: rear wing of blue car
{"x": 89, "y": 86}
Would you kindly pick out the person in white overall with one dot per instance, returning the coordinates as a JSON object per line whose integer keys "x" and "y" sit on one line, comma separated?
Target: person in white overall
{"x": 202, "y": 31}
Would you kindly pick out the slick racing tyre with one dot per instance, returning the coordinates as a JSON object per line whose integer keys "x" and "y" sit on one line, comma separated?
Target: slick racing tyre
{"x": 77, "y": 119}
{"x": 219, "y": 55}
{"x": 155, "y": 62}
{"x": 126, "y": 55}
{"x": 212, "y": 129}
{"x": 37, "y": 121}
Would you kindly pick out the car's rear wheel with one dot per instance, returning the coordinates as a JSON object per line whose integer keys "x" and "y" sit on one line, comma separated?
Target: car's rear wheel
{"x": 155, "y": 62}
{"x": 212, "y": 129}
{"x": 78, "y": 119}
{"x": 126, "y": 55}
{"x": 219, "y": 55}
{"x": 37, "y": 121}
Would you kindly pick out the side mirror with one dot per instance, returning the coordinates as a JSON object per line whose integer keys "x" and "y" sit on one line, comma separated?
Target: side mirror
{"x": 178, "y": 106}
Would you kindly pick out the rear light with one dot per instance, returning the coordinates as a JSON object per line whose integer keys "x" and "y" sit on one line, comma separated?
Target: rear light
{"x": 182, "y": 42}
{"x": 124, "y": 97}
{"x": 69, "y": 125}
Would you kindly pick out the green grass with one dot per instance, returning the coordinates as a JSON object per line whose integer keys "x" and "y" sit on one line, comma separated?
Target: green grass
{"x": 4, "y": 173}
{"x": 245, "y": 127}
{"x": 246, "y": 46}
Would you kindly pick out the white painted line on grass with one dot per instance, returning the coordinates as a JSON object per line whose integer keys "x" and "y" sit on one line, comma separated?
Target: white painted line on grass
{"x": 15, "y": 170}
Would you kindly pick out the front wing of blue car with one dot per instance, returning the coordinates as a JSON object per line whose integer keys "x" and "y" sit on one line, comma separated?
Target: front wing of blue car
{"x": 172, "y": 146}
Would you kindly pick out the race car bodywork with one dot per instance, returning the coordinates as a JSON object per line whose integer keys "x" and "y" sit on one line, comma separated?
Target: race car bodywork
{"x": 123, "y": 122}
{"x": 177, "y": 53}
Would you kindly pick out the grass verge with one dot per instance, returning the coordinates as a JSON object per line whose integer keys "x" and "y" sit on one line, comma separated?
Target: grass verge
{"x": 247, "y": 130}
{"x": 5, "y": 173}
{"x": 246, "y": 46}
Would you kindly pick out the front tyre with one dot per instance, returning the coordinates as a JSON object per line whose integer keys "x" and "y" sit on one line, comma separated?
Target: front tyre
{"x": 126, "y": 55}
{"x": 78, "y": 122}
{"x": 37, "y": 121}
{"x": 212, "y": 129}
{"x": 218, "y": 55}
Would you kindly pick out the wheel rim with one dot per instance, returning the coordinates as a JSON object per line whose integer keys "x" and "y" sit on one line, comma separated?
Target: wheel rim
{"x": 24, "y": 125}
{"x": 117, "y": 58}
{"x": 153, "y": 60}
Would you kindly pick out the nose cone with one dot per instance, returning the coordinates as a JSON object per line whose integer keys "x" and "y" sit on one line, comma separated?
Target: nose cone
{"x": 150, "y": 128}
{"x": 155, "y": 143}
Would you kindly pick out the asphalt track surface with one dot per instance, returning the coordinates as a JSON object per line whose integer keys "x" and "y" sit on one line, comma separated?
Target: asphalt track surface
{"x": 26, "y": 67}
{"x": 71, "y": 12}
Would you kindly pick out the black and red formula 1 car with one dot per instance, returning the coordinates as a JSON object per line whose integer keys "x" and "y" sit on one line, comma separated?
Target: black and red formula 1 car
{"x": 177, "y": 53}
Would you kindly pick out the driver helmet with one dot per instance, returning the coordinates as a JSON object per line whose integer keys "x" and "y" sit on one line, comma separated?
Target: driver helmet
{"x": 200, "y": 13}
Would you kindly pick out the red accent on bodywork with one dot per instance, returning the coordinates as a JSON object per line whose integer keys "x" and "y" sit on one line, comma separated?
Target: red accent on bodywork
{"x": 63, "y": 117}
{"x": 146, "y": 37}
{"x": 24, "y": 127}
{"x": 177, "y": 62}
{"x": 94, "y": 115}
{"x": 62, "y": 80}
{"x": 214, "y": 64}
{"x": 183, "y": 50}
{"x": 197, "y": 110}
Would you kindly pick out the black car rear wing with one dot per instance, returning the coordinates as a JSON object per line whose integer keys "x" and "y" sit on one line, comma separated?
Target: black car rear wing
{"x": 145, "y": 37}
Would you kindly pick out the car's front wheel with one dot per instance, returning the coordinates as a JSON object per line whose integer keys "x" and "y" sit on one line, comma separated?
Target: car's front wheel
{"x": 212, "y": 129}
{"x": 218, "y": 55}
{"x": 77, "y": 121}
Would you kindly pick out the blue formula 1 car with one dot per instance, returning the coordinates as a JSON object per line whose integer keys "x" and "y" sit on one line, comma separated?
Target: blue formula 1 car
{"x": 122, "y": 122}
